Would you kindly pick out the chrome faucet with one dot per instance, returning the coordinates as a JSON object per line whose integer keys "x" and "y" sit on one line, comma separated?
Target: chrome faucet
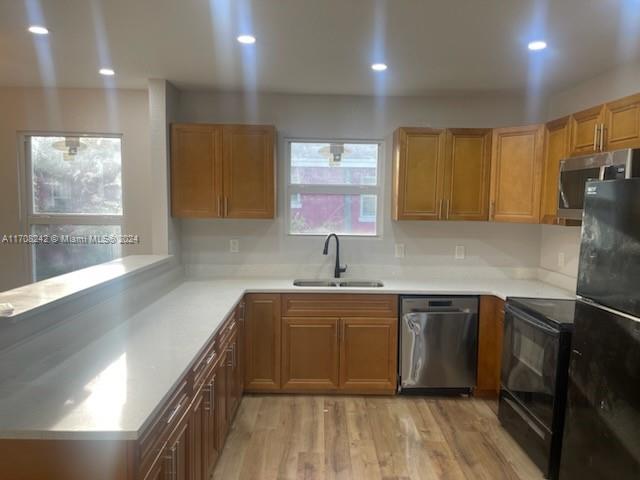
{"x": 338, "y": 269}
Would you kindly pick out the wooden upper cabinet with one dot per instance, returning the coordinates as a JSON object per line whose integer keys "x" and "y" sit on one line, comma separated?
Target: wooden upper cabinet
{"x": 223, "y": 171}
{"x": 310, "y": 354}
{"x": 417, "y": 170}
{"x": 467, "y": 174}
{"x": 196, "y": 170}
{"x": 249, "y": 171}
{"x": 262, "y": 342}
{"x": 516, "y": 174}
{"x": 622, "y": 123}
{"x": 585, "y": 130}
{"x": 557, "y": 137}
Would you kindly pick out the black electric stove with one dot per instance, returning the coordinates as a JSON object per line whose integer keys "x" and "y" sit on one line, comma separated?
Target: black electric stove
{"x": 535, "y": 363}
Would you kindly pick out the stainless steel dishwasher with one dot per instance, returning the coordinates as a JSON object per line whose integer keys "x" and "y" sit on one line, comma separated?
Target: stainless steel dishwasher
{"x": 438, "y": 344}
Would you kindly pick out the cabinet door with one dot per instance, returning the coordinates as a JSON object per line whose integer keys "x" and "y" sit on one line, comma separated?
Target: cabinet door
{"x": 160, "y": 469}
{"x": 622, "y": 120}
{"x": 249, "y": 171}
{"x": 233, "y": 393}
{"x": 196, "y": 170}
{"x": 418, "y": 174}
{"x": 490, "y": 332}
{"x": 585, "y": 127}
{"x": 262, "y": 342}
{"x": 310, "y": 354}
{"x": 179, "y": 449}
{"x": 198, "y": 436}
{"x": 368, "y": 355}
{"x": 557, "y": 136}
{"x": 516, "y": 174}
{"x": 210, "y": 434}
{"x": 467, "y": 174}
{"x": 220, "y": 399}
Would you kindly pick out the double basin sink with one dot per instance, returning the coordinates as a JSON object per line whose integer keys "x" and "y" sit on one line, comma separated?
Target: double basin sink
{"x": 339, "y": 283}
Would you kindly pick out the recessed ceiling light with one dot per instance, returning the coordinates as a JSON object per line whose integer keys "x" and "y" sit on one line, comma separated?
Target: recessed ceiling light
{"x": 38, "y": 29}
{"x": 107, "y": 72}
{"x": 247, "y": 39}
{"x": 379, "y": 67}
{"x": 537, "y": 45}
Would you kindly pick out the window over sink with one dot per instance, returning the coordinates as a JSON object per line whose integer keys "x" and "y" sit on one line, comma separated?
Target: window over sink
{"x": 334, "y": 186}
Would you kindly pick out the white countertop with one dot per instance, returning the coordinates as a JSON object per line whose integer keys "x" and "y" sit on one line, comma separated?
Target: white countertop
{"x": 111, "y": 388}
{"x": 37, "y": 296}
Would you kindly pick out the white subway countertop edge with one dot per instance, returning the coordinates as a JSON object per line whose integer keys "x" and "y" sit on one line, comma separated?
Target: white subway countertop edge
{"x": 111, "y": 388}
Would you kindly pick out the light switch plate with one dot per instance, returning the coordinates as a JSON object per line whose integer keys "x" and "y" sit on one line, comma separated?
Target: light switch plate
{"x": 234, "y": 246}
{"x": 459, "y": 254}
{"x": 400, "y": 250}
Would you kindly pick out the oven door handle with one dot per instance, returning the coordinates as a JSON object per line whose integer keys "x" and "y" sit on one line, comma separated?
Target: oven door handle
{"x": 528, "y": 319}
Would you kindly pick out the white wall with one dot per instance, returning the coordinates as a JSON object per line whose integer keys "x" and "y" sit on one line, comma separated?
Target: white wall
{"x": 73, "y": 110}
{"x": 603, "y": 88}
{"x": 265, "y": 245}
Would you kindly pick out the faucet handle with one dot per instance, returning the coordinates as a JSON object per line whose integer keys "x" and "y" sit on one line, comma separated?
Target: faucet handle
{"x": 343, "y": 269}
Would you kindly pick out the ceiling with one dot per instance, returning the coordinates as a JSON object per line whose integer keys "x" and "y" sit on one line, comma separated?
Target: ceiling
{"x": 318, "y": 46}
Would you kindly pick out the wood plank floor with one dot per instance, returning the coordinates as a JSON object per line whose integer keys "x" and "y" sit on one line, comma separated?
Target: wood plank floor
{"x": 370, "y": 438}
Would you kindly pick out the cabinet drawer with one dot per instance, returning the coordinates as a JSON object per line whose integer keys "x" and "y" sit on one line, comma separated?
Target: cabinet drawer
{"x": 339, "y": 305}
{"x": 204, "y": 364}
{"x": 228, "y": 329}
{"x": 155, "y": 436}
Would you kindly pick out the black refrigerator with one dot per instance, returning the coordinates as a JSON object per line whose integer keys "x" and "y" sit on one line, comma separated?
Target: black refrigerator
{"x": 602, "y": 425}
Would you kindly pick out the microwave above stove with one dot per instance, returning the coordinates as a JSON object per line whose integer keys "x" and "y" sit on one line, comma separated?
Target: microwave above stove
{"x": 577, "y": 171}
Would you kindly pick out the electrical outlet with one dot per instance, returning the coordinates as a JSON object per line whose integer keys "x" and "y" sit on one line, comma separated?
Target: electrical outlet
{"x": 561, "y": 260}
{"x": 234, "y": 246}
{"x": 400, "y": 251}
{"x": 459, "y": 254}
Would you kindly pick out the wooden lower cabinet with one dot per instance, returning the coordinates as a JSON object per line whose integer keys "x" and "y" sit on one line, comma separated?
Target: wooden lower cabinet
{"x": 490, "y": 333}
{"x": 309, "y": 354}
{"x": 368, "y": 355}
{"x": 178, "y": 453}
{"x": 262, "y": 337}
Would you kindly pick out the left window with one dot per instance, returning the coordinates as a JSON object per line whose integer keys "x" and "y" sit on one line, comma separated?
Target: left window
{"x": 74, "y": 201}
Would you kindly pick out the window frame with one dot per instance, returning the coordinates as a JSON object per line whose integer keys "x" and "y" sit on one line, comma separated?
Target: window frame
{"x": 29, "y": 218}
{"x": 377, "y": 189}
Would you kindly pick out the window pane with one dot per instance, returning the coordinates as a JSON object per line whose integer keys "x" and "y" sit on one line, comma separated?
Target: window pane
{"x": 320, "y": 213}
{"x": 76, "y": 175}
{"x": 334, "y": 163}
{"x": 51, "y": 260}
{"x": 368, "y": 208}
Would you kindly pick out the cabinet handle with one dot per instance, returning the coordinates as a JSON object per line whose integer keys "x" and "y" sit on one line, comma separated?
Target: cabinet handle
{"x": 219, "y": 206}
{"x": 174, "y": 413}
{"x": 602, "y": 137}
{"x": 440, "y": 210}
{"x": 492, "y": 209}
{"x": 212, "y": 391}
{"x": 595, "y": 137}
{"x": 173, "y": 474}
{"x": 210, "y": 358}
{"x": 232, "y": 361}
{"x": 226, "y": 206}
{"x": 447, "y": 210}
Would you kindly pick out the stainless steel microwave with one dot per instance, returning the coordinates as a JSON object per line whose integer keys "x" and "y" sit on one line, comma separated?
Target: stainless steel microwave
{"x": 576, "y": 172}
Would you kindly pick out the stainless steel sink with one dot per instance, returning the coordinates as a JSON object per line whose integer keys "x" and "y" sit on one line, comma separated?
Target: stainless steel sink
{"x": 315, "y": 283}
{"x": 362, "y": 283}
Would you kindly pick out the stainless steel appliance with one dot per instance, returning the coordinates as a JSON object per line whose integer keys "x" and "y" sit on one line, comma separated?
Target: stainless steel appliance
{"x": 438, "y": 344}
{"x": 576, "y": 172}
{"x": 602, "y": 426}
{"x": 535, "y": 362}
